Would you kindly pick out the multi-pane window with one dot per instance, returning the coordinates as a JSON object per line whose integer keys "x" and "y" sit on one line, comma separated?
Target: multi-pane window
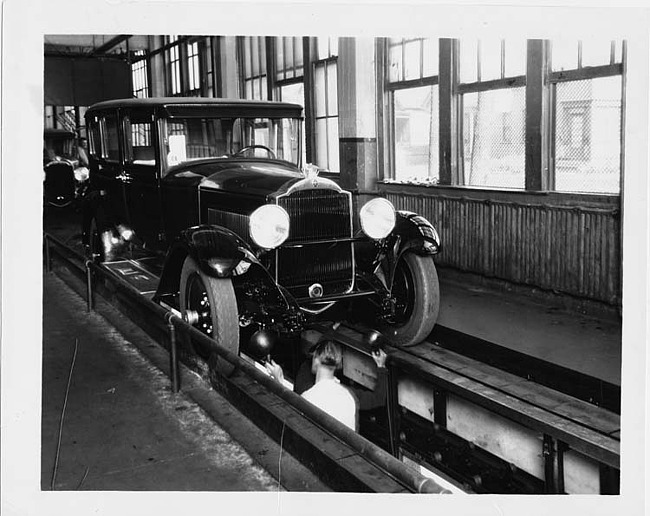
{"x": 587, "y": 90}
{"x": 193, "y": 69}
{"x": 252, "y": 58}
{"x": 174, "y": 66}
{"x": 325, "y": 104}
{"x": 139, "y": 75}
{"x": 413, "y": 99}
{"x": 493, "y": 103}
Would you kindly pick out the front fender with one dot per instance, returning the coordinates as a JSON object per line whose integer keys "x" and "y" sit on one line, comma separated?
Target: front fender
{"x": 216, "y": 250}
{"x": 412, "y": 233}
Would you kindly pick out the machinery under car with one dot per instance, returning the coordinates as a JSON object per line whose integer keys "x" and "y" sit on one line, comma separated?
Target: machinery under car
{"x": 252, "y": 245}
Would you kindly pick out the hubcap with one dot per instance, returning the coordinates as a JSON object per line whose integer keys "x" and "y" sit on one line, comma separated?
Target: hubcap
{"x": 198, "y": 310}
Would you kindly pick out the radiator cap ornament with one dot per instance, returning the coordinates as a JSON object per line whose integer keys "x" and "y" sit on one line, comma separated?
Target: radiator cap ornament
{"x": 310, "y": 171}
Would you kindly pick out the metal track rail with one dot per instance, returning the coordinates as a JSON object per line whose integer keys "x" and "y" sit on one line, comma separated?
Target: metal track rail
{"x": 294, "y": 409}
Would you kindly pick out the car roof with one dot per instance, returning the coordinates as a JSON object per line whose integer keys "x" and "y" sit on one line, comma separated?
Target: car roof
{"x": 193, "y": 106}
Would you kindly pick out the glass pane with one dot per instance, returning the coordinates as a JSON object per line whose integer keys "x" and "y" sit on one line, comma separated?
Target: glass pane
{"x": 490, "y": 59}
{"x": 468, "y": 60}
{"x": 255, "y": 52}
{"x": 322, "y": 48}
{"x": 596, "y": 52}
{"x": 332, "y": 90}
{"x": 588, "y": 136}
{"x": 246, "y": 56}
{"x": 334, "y": 46}
{"x": 288, "y": 52}
{"x": 412, "y": 56}
{"x": 394, "y": 62}
{"x": 333, "y": 144}
{"x": 493, "y": 138}
{"x": 618, "y": 53}
{"x": 279, "y": 58}
{"x": 564, "y": 54}
{"x": 320, "y": 133}
{"x": 430, "y": 57}
{"x": 298, "y": 59}
{"x": 515, "y": 57}
{"x": 262, "y": 45}
{"x": 319, "y": 90}
{"x": 416, "y": 134}
{"x": 294, "y": 93}
{"x": 111, "y": 139}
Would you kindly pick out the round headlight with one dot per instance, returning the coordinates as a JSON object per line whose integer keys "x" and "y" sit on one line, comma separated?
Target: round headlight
{"x": 377, "y": 218}
{"x": 269, "y": 226}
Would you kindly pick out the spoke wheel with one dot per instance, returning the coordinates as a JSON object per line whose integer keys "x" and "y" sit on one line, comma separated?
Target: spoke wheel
{"x": 212, "y": 305}
{"x": 416, "y": 294}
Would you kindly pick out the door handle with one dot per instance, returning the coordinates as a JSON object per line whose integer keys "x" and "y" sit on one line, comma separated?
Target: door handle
{"x": 125, "y": 178}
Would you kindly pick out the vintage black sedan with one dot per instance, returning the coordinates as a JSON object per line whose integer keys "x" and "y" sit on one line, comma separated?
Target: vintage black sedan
{"x": 254, "y": 246}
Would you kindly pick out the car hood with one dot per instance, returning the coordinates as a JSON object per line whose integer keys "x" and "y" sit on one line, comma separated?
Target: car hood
{"x": 247, "y": 177}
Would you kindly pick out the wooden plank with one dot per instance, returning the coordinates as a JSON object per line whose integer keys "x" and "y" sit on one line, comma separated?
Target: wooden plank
{"x": 562, "y": 404}
{"x": 589, "y": 442}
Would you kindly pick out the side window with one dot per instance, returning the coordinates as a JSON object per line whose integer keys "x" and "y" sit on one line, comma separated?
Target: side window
{"x": 110, "y": 148}
{"x": 139, "y": 141}
{"x": 94, "y": 139}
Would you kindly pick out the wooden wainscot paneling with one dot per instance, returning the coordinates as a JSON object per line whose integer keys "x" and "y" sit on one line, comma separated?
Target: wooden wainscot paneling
{"x": 560, "y": 242}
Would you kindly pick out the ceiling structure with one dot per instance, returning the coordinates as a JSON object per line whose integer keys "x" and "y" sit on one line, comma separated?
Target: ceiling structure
{"x": 92, "y": 45}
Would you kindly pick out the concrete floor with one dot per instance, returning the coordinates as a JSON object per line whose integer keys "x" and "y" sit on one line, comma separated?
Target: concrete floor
{"x": 123, "y": 428}
{"x": 586, "y": 343}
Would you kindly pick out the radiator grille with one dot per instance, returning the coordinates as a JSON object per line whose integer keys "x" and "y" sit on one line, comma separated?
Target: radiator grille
{"x": 317, "y": 215}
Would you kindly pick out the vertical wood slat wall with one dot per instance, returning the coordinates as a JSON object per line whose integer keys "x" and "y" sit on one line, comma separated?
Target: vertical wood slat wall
{"x": 568, "y": 248}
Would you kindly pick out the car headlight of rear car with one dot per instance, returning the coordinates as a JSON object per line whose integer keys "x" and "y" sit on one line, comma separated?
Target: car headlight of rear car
{"x": 269, "y": 226}
{"x": 377, "y": 218}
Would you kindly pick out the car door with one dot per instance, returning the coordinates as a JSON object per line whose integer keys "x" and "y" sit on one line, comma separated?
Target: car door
{"x": 106, "y": 164}
{"x": 141, "y": 176}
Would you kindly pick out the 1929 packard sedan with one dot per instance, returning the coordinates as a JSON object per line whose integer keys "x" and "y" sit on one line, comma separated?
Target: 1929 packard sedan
{"x": 251, "y": 246}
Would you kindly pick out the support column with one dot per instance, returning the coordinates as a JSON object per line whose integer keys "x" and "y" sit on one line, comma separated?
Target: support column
{"x": 228, "y": 71}
{"x": 357, "y": 120}
{"x": 537, "y": 113}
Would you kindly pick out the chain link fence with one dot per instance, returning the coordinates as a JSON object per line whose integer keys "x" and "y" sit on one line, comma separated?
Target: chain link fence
{"x": 588, "y": 136}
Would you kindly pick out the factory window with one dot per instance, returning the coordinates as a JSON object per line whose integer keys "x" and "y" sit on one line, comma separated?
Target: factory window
{"x": 174, "y": 66}
{"x": 289, "y": 70}
{"x": 139, "y": 75}
{"x": 193, "y": 69}
{"x": 493, "y": 103}
{"x": 412, "y": 88}
{"x": 325, "y": 104}
{"x": 586, "y": 82}
{"x": 251, "y": 52}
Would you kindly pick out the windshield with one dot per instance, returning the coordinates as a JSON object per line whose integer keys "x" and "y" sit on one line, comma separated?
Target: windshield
{"x": 187, "y": 139}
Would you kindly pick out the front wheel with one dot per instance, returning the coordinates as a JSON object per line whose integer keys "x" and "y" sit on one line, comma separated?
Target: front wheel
{"x": 209, "y": 304}
{"x": 416, "y": 295}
